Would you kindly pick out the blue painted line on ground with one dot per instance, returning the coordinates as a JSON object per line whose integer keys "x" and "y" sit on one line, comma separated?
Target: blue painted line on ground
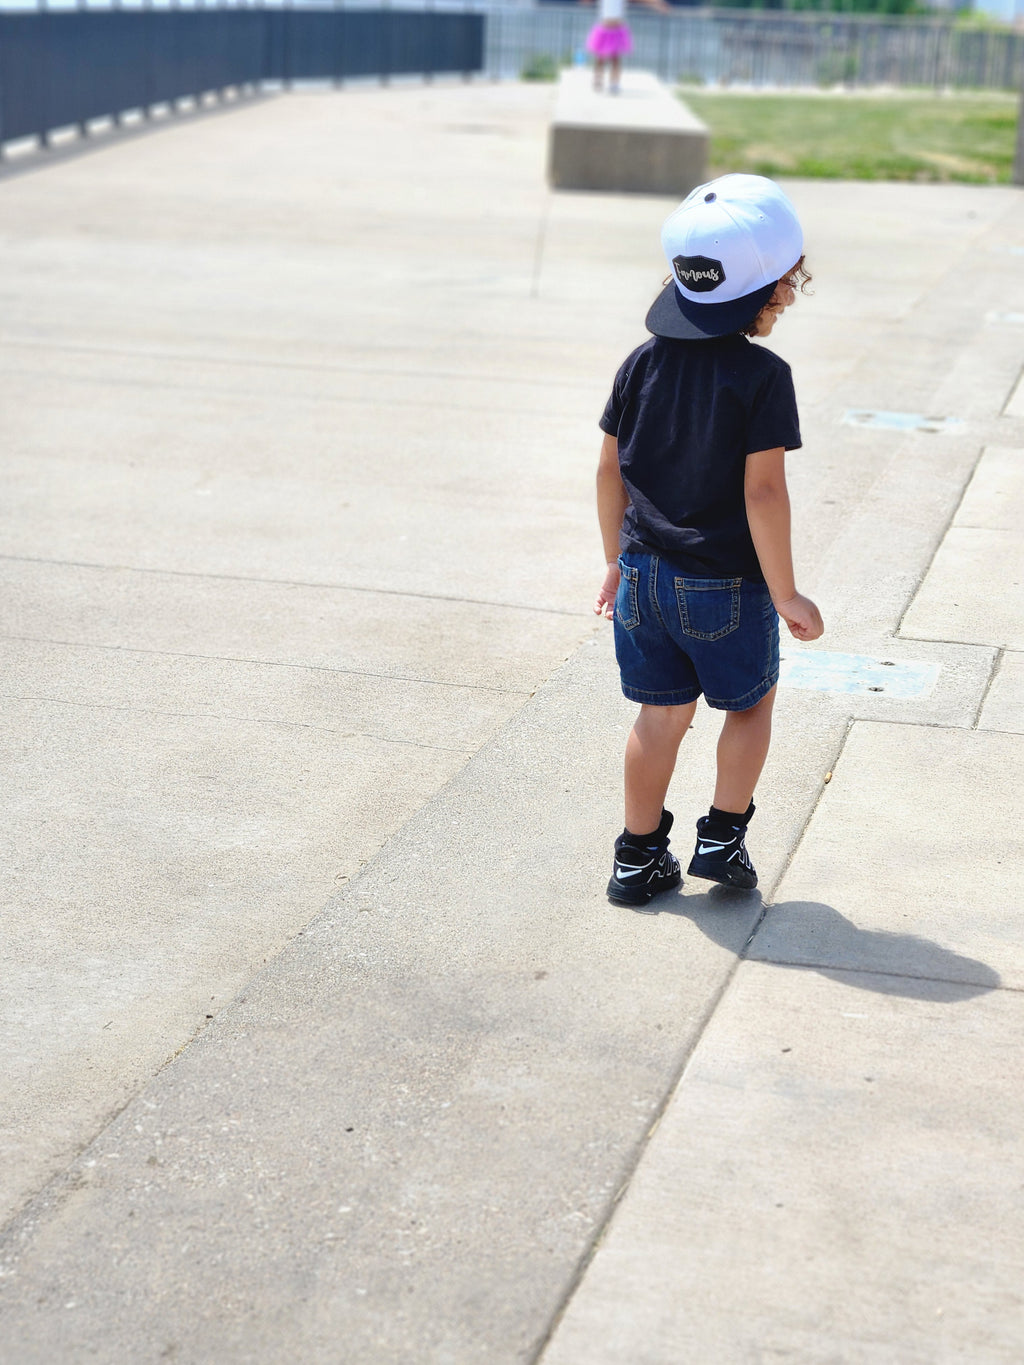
{"x": 819, "y": 670}
{"x": 898, "y": 421}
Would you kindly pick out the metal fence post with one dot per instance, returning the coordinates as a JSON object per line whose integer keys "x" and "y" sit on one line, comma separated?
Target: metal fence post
{"x": 339, "y": 44}
{"x": 1, "y": 90}
{"x": 427, "y": 46}
{"x": 266, "y": 49}
{"x": 492, "y": 50}
{"x": 118, "y": 114}
{"x": 83, "y": 126}
{"x": 147, "y": 102}
{"x": 44, "y": 136}
{"x": 1018, "y": 163}
{"x": 220, "y": 93}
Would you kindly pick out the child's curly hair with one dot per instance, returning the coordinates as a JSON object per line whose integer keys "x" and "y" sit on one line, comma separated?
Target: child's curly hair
{"x": 797, "y": 278}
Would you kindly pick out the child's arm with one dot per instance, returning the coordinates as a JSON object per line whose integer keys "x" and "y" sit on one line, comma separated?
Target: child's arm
{"x": 767, "y": 501}
{"x": 611, "y": 508}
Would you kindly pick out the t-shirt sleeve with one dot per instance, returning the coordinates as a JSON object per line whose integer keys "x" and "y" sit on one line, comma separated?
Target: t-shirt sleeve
{"x": 774, "y": 420}
{"x": 612, "y": 415}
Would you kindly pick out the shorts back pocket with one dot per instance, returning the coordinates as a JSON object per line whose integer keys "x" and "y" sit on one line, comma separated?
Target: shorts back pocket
{"x": 708, "y": 607}
{"x": 627, "y": 609}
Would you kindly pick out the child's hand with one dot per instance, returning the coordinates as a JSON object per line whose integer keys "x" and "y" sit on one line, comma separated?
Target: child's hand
{"x": 802, "y": 617}
{"x": 604, "y": 604}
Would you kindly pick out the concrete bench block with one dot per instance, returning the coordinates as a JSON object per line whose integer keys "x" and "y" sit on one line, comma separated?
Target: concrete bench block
{"x": 642, "y": 140}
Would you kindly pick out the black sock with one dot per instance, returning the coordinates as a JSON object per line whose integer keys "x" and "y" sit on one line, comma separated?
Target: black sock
{"x": 655, "y": 839}
{"x": 649, "y": 842}
{"x": 730, "y": 819}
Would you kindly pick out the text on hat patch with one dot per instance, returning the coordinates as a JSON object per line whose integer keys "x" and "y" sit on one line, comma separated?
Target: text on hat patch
{"x": 699, "y": 274}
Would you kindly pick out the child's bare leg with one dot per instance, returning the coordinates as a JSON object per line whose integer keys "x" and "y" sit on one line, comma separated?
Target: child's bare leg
{"x": 614, "y": 72}
{"x": 650, "y": 760}
{"x": 742, "y": 750}
{"x": 598, "y": 72}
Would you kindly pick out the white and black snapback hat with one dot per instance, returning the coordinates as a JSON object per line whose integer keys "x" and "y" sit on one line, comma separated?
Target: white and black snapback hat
{"x": 728, "y": 243}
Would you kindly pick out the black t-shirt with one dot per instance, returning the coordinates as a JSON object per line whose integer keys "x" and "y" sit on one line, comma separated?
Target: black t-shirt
{"x": 687, "y": 414}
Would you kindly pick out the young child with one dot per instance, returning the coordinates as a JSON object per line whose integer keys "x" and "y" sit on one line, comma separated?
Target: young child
{"x": 610, "y": 40}
{"x": 691, "y": 489}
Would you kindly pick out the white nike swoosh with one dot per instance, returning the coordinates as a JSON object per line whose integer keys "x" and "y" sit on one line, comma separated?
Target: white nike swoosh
{"x": 621, "y": 872}
{"x": 710, "y": 848}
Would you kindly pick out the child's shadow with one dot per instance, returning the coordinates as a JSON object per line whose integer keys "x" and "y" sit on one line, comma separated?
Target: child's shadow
{"x": 815, "y": 937}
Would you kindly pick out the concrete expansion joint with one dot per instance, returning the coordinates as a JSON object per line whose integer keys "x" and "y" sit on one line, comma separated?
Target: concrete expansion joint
{"x": 538, "y": 255}
{"x": 909, "y": 724}
{"x": 466, "y": 376}
{"x": 228, "y": 718}
{"x": 1008, "y": 411}
{"x": 270, "y": 663}
{"x": 22, "y": 1221}
{"x": 940, "y": 536}
{"x": 289, "y": 583}
{"x": 997, "y": 663}
{"x": 242, "y": 389}
{"x": 844, "y": 969}
{"x": 938, "y": 640}
{"x": 798, "y": 841}
{"x": 604, "y": 1224}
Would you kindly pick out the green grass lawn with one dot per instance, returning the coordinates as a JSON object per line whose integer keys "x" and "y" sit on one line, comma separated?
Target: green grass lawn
{"x": 861, "y": 137}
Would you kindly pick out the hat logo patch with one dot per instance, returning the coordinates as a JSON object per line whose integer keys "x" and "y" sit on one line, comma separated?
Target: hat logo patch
{"x": 699, "y": 274}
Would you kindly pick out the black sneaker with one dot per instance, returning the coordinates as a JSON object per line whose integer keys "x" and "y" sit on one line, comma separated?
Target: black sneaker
{"x": 720, "y": 854}
{"x": 643, "y": 866}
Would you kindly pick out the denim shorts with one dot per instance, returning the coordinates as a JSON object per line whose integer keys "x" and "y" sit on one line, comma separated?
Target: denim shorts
{"x": 677, "y": 636}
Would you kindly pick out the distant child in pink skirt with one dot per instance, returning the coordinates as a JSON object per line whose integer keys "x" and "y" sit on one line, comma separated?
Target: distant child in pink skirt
{"x": 610, "y": 40}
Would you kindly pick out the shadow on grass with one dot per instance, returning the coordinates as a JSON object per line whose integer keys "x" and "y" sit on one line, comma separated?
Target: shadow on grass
{"x": 809, "y": 936}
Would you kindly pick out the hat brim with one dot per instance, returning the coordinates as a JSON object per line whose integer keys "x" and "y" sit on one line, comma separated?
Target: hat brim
{"x": 679, "y": 319}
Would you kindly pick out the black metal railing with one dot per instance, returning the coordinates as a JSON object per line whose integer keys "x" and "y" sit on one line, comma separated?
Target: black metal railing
{"x": 60, "y": 68}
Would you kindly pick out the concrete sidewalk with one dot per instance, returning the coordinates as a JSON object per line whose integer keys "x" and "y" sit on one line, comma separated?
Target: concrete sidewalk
{"x": 322, "y": 1042}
